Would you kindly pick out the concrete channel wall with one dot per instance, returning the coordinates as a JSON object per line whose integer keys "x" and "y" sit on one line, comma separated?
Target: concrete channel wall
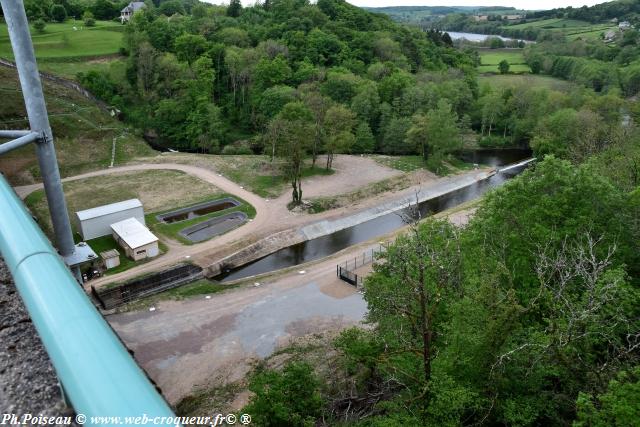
{"x": 323, "y": 228}
{"x": 287, "y": 238}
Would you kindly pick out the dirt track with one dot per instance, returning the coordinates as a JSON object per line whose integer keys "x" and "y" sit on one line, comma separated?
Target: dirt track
{"x": 272, "y": 216}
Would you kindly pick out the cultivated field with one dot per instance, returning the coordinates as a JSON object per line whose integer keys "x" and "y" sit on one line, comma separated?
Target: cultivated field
{"x": 490, "y": 58}
{"x": 572, "y": 28}
{"x": 70, "y": 39}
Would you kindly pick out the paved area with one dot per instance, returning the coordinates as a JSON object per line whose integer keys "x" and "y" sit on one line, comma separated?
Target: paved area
{"x": 201, "y": 342}
{"x": 28, "y": 383}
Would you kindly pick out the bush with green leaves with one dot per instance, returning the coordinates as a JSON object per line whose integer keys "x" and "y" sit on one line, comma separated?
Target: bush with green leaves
{"x": 287, "y": 398}
{"x": 58, "y": 13}
{"x": 39, "y": 25}
{"x": 88, "y": 19}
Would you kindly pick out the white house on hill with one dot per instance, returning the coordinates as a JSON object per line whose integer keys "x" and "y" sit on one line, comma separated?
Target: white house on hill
{"x": 130, "y": 9}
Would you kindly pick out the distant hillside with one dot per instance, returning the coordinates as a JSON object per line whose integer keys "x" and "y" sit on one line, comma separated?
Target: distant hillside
{"x": 425, "y": 14}
{"x": 628, "y": 10}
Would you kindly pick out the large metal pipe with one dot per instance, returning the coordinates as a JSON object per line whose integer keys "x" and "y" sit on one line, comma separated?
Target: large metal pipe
{"x": 97, "y": 373}
{"x": 19, "y": 142}
{"x": 18, "y": 27}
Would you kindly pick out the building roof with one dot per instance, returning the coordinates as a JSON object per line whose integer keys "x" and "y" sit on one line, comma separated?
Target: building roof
{"x": 108, "y": 209}
{"x": 133, "y": 233}
{"x": 134, "y": 6}
{"x": 111, "y": 253}
{"x": 82, "y": 253}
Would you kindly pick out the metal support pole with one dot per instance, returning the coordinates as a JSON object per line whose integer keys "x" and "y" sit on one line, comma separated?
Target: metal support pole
{"x": 18, "y": 27}
{"x": 13, "y": 133}
{"x": 19, "y": 142}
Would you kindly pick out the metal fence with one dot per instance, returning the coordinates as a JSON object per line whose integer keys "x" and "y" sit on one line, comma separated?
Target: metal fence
{"x": 346, "y": 271}
{"x": 146, "y": 286}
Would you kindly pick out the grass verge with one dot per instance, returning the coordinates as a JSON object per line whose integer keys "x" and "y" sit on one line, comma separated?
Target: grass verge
{"x": 172, "y": 230}
{"x": 198, "y": 288}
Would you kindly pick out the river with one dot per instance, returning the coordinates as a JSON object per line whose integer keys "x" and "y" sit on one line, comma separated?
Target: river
{"x": 326, "y": 245}
{"x": 474, "y": 37}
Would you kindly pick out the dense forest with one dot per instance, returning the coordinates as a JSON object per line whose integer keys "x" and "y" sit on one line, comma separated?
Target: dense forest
{"x": 234, "y": 80}
{"x": 529, "y": 315}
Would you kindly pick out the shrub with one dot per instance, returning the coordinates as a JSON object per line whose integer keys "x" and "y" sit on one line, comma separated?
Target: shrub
{"x": 89, "y": 20}
{"x": 39, "y": 25}
{"x": 58, "y": 13}
{"x": 493, "y": 141}
{"x": 237, "y": 148}
{"x": 287, "y": 398}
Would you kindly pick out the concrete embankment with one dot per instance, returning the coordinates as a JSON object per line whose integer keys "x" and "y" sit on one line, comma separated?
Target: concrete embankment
{"x": 322, "y": 228}
{"x": 287, "y": 238}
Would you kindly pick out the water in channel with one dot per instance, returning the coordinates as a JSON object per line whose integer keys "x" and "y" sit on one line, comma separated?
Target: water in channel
{"x": 326, "y": 245}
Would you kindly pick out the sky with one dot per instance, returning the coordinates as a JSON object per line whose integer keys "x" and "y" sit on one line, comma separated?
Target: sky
{"x": 520, "y": 4}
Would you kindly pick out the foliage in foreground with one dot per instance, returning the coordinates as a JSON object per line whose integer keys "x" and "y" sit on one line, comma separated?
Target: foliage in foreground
{"x": 290, "y": 397}
{"x": 528, "y": 316}
{"x": 550, "y": 311}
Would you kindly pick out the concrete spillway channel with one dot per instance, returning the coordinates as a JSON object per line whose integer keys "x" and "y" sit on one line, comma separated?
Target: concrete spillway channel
{"x": 321, "y": 239}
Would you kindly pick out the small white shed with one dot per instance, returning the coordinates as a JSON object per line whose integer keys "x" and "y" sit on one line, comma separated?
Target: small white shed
{"x": 136, "y": 239}
{"x": 111, "y": 258}
{"x": 96, "y": 222}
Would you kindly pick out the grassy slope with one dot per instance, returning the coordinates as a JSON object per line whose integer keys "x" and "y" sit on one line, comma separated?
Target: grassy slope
{"x": 62, "y": 41}
{"x": 83, "y": 132}
{"x": 494, "y": 56}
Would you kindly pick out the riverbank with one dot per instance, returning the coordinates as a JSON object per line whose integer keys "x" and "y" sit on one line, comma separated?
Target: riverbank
{"x": 316, "y": 230}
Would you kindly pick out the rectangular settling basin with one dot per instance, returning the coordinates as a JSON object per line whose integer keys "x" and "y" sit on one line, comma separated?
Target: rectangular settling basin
{"x": 198, "y": 210}
{"x": 214, "y": 226}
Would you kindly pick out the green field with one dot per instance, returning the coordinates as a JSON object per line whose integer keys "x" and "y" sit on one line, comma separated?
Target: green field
{"x": 554, "y": 23}
{"x": 528, "y": 80}
{"x": 490, "y": 58}
{"x": 60, "y": 41}
{"x": 572, "y": 28}
{"x": 513, "y": 68}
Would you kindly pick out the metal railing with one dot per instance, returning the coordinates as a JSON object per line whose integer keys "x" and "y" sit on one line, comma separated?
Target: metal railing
{"x": 347, "y": 270}
{"x": 97, "y": 373}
